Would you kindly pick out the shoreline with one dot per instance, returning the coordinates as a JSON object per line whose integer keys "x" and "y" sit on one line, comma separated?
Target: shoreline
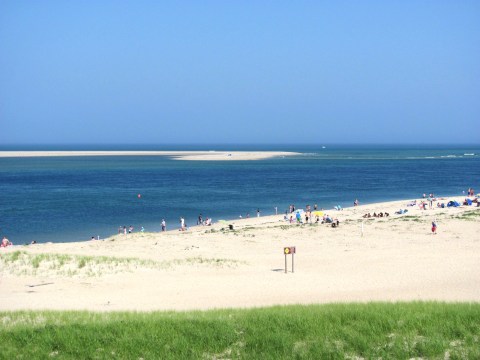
{"x": 394, "y": 258}
{"x": 176, "y": 155}
{"x": 224, "y": 219}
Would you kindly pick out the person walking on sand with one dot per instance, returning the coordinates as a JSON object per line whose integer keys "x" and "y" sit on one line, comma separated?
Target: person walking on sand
{"x": 164, "y": 225}
{"x": 434, "y": 227}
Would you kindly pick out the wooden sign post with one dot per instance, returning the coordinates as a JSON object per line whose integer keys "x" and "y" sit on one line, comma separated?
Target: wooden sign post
{"x": 287, "y": 251}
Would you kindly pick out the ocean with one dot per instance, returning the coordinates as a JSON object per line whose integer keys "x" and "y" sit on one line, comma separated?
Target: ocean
{"x": 64, "y": 199}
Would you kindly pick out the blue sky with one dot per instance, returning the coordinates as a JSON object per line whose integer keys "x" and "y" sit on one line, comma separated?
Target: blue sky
{"x": 166, "y": 72}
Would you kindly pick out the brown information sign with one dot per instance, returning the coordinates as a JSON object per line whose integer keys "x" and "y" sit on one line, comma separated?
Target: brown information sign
{"x": 289, "y": 250}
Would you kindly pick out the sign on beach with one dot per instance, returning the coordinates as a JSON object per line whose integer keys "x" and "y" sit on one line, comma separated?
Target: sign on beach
{"x": 290, "y": 250}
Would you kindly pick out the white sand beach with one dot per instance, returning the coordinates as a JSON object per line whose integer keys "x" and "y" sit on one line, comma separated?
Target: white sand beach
{"x": 178, "y": 155}
{"x": 396, "y": 258}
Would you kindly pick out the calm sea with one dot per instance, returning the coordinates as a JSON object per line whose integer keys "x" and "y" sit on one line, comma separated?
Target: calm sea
{"x": 63, "y": 199}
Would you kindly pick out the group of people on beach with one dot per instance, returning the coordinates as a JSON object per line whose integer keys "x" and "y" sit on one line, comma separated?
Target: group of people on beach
{"x": 205, "y": 222}
{"x": 380, "y": 214}
{"x": 310, "y": 216}
{"x": 124, "y": 229}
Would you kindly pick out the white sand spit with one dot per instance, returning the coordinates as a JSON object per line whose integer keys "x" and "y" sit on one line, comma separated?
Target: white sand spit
{"x": 178, "y": 155}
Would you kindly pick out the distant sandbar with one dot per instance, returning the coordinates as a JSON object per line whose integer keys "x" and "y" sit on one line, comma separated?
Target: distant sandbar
{"x": 177, "y": 155}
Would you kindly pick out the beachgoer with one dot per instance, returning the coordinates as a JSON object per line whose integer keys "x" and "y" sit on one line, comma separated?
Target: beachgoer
{"x": 182, "y": 224}
{"x": 355, "y": 203}
{"x": 430, "y": 201}
{"x": 125, "y": 230}
{"x": 315, "y": 207}
{"x": 5, "y": 242}
{"x": 130, "y": 229}
{"x": 258, "y": 212}
{"x": 434, "y": 228}
{"x": 199, "y": 221}
{"x": 299, "y": 218}
{"x": 276, "y": 210}
{"x": 164, "y": 225}
{"x": 142, "y": 229}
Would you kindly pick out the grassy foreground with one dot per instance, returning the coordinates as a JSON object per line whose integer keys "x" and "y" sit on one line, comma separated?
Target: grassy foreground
{"x": 336, "y": 331}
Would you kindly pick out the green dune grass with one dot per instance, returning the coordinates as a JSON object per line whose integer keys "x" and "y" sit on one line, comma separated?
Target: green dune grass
{"x": 336, "y": 331}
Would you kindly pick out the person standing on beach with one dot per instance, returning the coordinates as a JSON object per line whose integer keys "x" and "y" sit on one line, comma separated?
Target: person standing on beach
{"x": 430, "y": 201}
{"x": 258, "y": 212}
{"x": 164, "y": 225}
{"x": 434, "y": 227}
{"x": 182, "y": 224}
{"x": 5, "y": 242}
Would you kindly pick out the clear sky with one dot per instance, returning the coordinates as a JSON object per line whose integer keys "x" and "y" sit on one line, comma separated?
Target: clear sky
{"x": 165, "y": 72}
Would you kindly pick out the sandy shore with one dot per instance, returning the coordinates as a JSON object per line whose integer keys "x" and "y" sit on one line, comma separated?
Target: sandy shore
{"x": 396, "y": 258}
{"x": 178, "y": 155}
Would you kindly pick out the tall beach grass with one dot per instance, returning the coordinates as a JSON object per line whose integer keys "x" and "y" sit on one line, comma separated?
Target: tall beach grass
{"x": 427, "y": 330}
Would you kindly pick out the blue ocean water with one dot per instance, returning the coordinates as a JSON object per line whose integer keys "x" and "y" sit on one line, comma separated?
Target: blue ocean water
{"x": 63, "y": 199}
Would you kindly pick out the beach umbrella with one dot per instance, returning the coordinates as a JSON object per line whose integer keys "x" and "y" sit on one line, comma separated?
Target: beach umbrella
{"x": 318, "y": 213}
